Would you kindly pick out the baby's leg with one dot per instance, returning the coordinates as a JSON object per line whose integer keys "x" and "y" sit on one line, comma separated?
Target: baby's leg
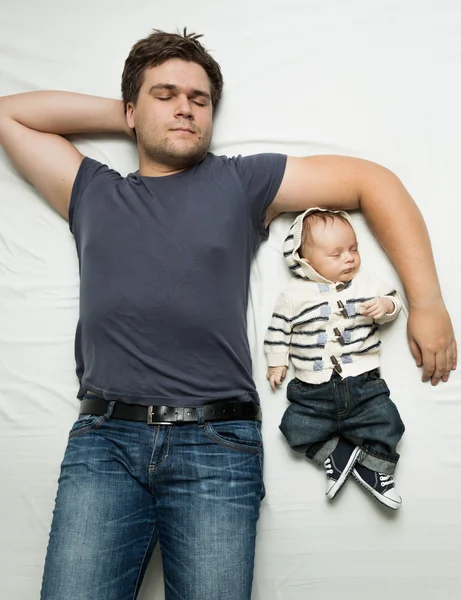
{"x": 310, "y": 425}
{"x": 374, "y": 418}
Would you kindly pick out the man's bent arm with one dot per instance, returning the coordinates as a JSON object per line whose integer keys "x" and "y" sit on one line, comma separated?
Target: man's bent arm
{"x": 31, "y": 129}
{"x": 339, "y": 182}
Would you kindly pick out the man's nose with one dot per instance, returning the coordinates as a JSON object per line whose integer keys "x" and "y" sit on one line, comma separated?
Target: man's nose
{"x": 183, "y": 107}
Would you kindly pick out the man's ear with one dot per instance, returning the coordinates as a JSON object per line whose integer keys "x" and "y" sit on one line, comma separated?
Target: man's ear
{"x": 130, "y": 109}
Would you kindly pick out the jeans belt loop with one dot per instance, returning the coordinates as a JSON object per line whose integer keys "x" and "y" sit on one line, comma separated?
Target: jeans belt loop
{"x": 200, "y": 416}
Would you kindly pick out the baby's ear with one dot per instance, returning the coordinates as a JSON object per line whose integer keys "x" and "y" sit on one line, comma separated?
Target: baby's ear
{"x": 302, "y": 255}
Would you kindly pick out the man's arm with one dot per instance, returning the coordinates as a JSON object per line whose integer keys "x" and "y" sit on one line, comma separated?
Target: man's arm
{"x": 339, "y": 182}
{"x": 31, "y": 130}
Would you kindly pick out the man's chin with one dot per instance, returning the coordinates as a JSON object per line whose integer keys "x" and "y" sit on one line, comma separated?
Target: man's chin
{"x": 180, "y": 155}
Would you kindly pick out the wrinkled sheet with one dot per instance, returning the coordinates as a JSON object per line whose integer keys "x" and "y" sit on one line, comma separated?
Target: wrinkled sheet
{"x": 378, "y": 80}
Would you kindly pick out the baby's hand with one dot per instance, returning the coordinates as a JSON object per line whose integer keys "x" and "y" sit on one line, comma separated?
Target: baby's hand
{"x": 377, "y": 308}
{"x": 276, "y": 375}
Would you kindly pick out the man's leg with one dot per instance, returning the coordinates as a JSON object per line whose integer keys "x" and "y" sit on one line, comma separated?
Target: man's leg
{"x": 104, "y": 526}
{"x": 208, "y": 493}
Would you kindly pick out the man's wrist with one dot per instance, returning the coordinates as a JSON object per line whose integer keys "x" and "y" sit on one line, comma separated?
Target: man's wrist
{"x": 433, "y": 301}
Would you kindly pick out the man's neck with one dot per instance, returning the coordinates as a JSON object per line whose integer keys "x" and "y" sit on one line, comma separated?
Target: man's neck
{"x": 150, "y": 169}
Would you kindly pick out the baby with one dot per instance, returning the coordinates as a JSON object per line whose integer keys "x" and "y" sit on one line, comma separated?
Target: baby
{"x": 326, "y": 322}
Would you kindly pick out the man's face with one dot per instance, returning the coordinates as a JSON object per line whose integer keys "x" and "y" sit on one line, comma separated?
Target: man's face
{"x": 173, "y": 114}
{"x": 333, "y": 250}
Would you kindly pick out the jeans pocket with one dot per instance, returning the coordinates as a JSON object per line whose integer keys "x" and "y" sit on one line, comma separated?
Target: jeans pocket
{"x": 84, "y": 423}
{"x": 296, "y": 382}
{"x": 373, "y": 377}
{"x": 236, "y": 435}
{"x": 296, "y": 385}
{"x": 301, "y": 392}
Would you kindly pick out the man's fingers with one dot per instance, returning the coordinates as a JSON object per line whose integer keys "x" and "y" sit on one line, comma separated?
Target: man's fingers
{"x": 440, "y": 366}
{"x": 451, "y": 360}
{"x": 432, "y": 342}
{"x": 454, "y": 349}
{"x": 448, "y": 364}
{"x": 415, "y": 352}
{"x": 436, "y": 365}
{"x": 428, "y": 363}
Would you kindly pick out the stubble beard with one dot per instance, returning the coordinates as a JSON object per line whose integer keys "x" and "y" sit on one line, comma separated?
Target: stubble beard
{"x": 165, "y": 152}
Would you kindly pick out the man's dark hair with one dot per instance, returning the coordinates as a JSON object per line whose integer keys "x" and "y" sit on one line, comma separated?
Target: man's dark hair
{"x": 159, "y": 47}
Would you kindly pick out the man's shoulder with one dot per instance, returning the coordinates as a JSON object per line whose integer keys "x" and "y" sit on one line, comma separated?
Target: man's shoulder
{"x": 212, "y": 160}
{"x": 90, "y": 168}
{"x": 260, "y": 159}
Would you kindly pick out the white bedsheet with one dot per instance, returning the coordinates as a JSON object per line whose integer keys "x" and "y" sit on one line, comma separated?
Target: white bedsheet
{"x": 378, "y": 80}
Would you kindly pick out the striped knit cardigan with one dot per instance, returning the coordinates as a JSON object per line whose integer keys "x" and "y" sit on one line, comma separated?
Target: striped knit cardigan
{"x": 317, "y": 324}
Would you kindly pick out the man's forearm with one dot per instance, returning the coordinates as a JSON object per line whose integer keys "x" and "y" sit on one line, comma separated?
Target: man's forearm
{"x": 345, "y": 183}
{"x": 65, "y": 112}
{"x": 400, "y": 228}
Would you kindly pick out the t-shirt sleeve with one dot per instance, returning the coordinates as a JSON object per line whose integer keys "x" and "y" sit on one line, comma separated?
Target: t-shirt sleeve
{"x": 89, "y": 169}
{"x": 261, "y": 176}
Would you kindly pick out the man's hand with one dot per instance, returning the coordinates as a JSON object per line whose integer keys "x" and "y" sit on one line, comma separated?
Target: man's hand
{"x": 432, "y": 341}
{"x": 276, "y": 375}
{"x": 377, "y": 308}
{"x": 32, "y": 126}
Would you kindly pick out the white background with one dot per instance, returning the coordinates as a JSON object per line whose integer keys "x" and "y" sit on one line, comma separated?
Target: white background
{"x": 374, "y": 79}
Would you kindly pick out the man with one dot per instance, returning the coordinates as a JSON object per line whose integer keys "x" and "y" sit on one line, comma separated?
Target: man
{"x": 167, "y": 447}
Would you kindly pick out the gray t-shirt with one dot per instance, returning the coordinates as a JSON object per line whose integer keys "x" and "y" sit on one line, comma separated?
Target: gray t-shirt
{"x": 164, "y": 275}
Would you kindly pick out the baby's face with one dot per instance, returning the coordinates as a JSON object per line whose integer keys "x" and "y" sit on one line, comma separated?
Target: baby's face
{"x": 333, "y": 250}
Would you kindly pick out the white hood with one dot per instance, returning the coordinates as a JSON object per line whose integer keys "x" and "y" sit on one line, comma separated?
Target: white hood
{"x": 297, "y": 265}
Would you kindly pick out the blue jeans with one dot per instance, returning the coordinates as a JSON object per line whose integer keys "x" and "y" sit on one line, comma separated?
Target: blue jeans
{"x": 195, "y": 488}
{"x": 357, "y": 407}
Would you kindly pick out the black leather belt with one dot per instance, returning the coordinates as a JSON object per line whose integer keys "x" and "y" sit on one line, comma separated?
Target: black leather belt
{"x": 227, "y": 410}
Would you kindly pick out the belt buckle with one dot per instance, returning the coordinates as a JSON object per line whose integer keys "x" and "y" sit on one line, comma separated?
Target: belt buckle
{"x": 150, "y": 417}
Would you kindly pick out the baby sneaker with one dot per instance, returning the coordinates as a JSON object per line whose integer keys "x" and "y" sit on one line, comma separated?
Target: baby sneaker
{"x": 338, "y": 466}
{"x": 381, "y": 485}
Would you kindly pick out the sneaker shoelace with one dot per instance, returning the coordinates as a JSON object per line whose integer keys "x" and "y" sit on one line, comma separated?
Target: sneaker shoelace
{"x": 386, "y": 481}
{"x": 328, "y": 466}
